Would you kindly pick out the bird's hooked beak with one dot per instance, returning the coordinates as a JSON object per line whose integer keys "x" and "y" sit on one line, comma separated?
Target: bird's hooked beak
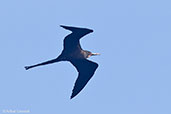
{"x": 94, "y": 54}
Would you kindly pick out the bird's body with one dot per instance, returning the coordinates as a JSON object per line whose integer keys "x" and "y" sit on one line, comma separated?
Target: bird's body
{"x": 73, "y": 53}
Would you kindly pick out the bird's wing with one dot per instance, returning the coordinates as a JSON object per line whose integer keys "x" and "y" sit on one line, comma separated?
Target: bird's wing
{"x": 71, "y": 42}
{"x": 86, "y": 70}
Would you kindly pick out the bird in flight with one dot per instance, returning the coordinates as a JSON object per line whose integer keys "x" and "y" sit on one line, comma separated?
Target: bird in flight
{"x": 73, "y": 53}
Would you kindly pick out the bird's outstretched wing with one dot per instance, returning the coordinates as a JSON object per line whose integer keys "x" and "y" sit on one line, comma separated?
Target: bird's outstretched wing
{"x": 72, "y": 40}
{"x": 86, "y": 70}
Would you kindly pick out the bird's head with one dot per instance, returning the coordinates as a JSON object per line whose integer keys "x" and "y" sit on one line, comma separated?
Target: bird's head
{"x": 79, "y": 31}
{"x": 88, "y": 54}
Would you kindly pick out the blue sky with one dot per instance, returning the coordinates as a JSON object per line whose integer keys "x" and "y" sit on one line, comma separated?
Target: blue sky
{"x": 132, "y": 36}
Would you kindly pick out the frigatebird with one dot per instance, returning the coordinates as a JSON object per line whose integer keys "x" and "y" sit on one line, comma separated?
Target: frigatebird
{"x": 73, "y": 53}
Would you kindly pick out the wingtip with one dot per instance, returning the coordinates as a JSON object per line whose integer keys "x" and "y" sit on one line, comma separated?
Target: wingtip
{"x": 65, "y": 27}
{"x": 72, "y": 96}
{"x": 61, "y": 25}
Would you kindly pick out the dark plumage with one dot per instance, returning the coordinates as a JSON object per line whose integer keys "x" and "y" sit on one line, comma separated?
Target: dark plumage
{"x": 73, "y": 53}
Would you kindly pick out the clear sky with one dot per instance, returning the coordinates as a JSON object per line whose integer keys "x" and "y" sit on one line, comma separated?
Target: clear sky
{"x": 133, "y": 37}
